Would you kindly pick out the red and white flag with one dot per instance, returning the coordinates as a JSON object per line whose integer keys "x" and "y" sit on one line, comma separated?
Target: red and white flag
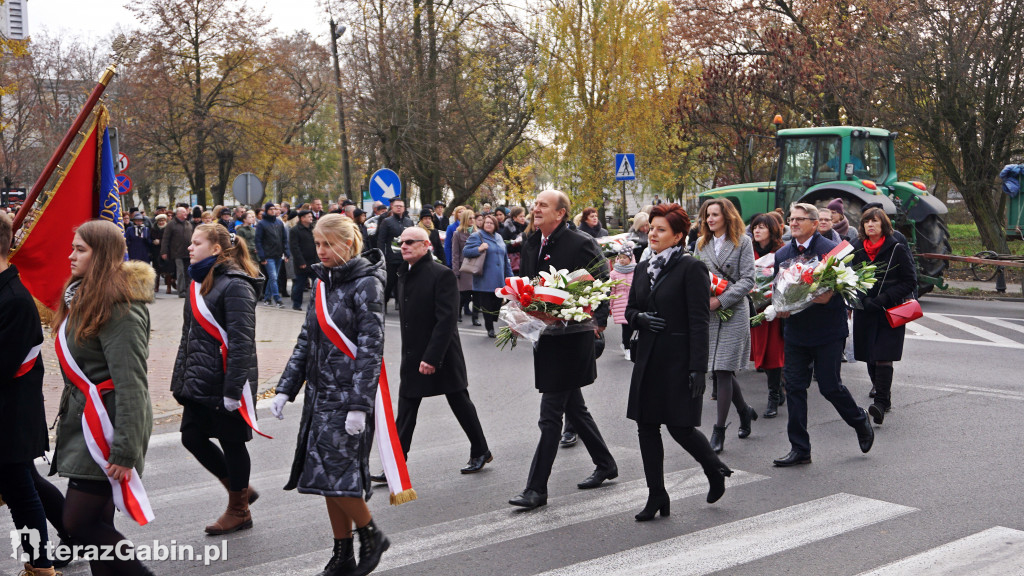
{"x": 129, "y": 495}
{"x": 391, "y": 455}
{"x": 205, "y": 318}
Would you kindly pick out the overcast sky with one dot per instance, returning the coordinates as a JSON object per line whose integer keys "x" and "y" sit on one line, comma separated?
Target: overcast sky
{"x": 96, "y": 18}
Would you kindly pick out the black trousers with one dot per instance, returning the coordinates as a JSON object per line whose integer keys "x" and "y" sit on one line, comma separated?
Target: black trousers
{"x": 302, "y": 277}
{"x": 465, "y": 413}
{"x": 391, "y": 287}
{"x": 827, "y": 359}
{"x": 552, "y": 406}
{"x": 18, "y": 488}
{"x": 489, "y": 304}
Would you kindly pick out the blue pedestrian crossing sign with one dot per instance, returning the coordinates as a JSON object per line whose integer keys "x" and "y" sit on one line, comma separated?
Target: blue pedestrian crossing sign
{"x": 385, "y": 186}
{"x": 625, "y": 167}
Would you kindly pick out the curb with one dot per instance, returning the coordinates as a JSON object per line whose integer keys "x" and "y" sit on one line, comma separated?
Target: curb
{"x": 976, "y": 298}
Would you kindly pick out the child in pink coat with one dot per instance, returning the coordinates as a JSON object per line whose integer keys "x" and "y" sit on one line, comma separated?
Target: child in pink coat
{"x": 622, "y": 269}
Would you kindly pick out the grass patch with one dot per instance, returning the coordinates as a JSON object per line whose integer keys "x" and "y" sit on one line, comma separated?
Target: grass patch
{"x": 965, "y": 241}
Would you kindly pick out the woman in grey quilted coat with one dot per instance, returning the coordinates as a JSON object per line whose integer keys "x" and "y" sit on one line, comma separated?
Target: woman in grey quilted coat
{"x": 729, "y": 255}
{"x": 331, "y": 457}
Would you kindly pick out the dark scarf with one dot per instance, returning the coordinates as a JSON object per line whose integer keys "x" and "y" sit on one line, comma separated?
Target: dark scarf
{"x": 199, "y": 270}
{"x": 872, "y": 248}
{"x": 843, "y": 227}
{"x": 269, "y": 217}
{"x": 760, "y": 252}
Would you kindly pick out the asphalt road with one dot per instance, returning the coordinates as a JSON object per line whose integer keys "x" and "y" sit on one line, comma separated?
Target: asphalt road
{"x": 938, "y": 494}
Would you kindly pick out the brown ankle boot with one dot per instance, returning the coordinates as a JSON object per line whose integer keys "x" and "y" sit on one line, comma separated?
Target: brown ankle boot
{"x": 253, "y": 495}
{"x": 30, "y": 571}
{"x": 235, "y": 518}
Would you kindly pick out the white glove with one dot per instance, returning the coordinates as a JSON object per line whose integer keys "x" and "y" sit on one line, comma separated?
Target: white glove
{"x": 277, "y": 406}
{"x": 230, "y": 404}
{"x": 355, "y": 422}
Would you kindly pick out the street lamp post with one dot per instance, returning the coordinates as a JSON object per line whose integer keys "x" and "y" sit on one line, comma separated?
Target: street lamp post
{"x": 336, "y": 32}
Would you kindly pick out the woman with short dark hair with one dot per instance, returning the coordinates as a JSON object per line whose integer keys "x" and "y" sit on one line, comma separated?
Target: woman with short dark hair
{"x": 669, "y": 307}
{"x": 590, "y": 223}
{"x": 875, "y": 342}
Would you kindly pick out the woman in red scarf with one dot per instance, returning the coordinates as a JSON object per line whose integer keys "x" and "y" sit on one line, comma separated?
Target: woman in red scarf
{"x": 875, "y": 342}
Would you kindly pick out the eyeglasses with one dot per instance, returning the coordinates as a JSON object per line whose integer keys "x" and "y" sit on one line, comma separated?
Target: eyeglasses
{"x": 796, "y": 219}
{"x": 410, "y": 242}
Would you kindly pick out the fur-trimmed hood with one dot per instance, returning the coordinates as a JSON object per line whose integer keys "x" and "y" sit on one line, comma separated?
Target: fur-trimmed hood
{"x": 141, "y": 277}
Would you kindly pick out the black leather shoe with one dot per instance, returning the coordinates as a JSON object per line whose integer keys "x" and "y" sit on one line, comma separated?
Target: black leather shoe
{"x": 378, "y": 478}
{"x": 568, "y": 439}
{"x": 599, "y": 476}
{"x": 793, "y": 459}
{"x": 476, "y": 463}
{"x": 877, "y": 413}
{"x": 718, "y": 438}
{"x": 529, "y": 500}
{"x": 866, "y": 435}
{"x": 873, "y": 392}
{"x": 490, "y": 333}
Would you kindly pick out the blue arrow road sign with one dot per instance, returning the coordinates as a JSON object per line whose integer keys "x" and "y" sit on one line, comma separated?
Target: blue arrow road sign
{"x": 625, "y": 167}
{"x": 385, "y": 186}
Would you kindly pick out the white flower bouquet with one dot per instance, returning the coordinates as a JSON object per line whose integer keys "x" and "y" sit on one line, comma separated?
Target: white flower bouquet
{"x": 557, "y": 302}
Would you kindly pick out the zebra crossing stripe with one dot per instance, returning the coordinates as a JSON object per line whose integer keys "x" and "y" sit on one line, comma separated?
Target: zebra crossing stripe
{"x": 996, "y": 551}
{"x": 730, "y": 545}
{"x": 991, "y": 337}
{"x": 506, "y": 524}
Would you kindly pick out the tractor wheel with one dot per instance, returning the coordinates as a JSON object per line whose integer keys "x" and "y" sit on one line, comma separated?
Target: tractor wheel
{"x": 932, "y": 238}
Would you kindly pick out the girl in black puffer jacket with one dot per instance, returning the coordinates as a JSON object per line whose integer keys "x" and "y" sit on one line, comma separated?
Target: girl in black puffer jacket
{"x": 210, "y": 382}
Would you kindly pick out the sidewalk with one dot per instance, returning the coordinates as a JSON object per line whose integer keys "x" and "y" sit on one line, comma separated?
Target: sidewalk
{"x": 1013, "y": 288}
{"x": 276, "y": 332}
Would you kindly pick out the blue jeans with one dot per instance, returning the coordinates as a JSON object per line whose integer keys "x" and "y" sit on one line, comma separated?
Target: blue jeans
{"x": 271, "y": 292}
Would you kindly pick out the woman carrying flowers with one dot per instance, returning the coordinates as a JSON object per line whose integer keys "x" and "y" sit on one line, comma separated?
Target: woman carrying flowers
{"x": 874, "y": 340}
{"x": 728, "y": 254}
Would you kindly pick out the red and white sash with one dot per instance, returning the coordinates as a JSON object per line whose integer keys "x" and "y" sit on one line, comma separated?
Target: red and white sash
{"x": 204, "y": 316}
{"x": 391, "y": 456}
{"x": 30, "y": 361}
{"x": 129, "y": 495}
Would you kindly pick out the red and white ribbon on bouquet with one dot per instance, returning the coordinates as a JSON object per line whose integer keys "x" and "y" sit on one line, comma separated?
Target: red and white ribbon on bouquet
{"x": 30, "y": 361}
{"x": 841, "y": 251}
{"x": 201, "y": 312}
{"x": 129, "y": 495}
{"x": 391, "y": 455}
{"x": 516, "y": 288}
{"x": 718, "y": 285}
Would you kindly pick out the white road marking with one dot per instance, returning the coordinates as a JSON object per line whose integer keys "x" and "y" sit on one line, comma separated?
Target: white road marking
{"x": 730, "y": 545}
{"x": 1003, "y": 322}
{"x": 508, "y": 523}
{"x": 996, "y": 551}
{"x": 972, "y": 329}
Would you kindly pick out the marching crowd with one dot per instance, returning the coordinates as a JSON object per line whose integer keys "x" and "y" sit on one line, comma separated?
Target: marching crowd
{"x": 224, "y": 262}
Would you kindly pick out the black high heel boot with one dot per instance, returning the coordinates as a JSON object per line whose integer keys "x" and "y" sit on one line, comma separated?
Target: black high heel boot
{"x": 343, "y": 562}
{"x": 718, "y": 438}
{"x": 774, "y": 392}
{"x": 657, "y": 502}
{"x": 746, "y": 416}
{"x": 372, "y": 544}
{"x": 716, "y": 477}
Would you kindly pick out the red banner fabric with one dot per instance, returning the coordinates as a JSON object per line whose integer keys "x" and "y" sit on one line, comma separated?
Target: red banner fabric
{"x": 42, "y": 257}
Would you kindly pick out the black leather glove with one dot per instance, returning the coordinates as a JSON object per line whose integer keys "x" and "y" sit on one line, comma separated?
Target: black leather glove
{"x": 871, "y": 304}
{"x": 650, "y": 321}
{"x": 698, "y": 383}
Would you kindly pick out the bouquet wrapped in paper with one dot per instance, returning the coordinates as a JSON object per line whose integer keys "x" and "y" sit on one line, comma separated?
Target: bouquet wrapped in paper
{"x": 764, "y": 279}
{"x": 718, "y": 286}
{"x": 801, "y": 280}
{"x": 558, "y": 302}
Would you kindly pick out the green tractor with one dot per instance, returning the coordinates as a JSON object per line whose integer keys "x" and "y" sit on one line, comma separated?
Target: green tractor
{"x": 858, "y": 165}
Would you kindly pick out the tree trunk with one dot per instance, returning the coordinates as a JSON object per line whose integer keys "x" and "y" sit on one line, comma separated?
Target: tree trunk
{"x": 979, "y": 203}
